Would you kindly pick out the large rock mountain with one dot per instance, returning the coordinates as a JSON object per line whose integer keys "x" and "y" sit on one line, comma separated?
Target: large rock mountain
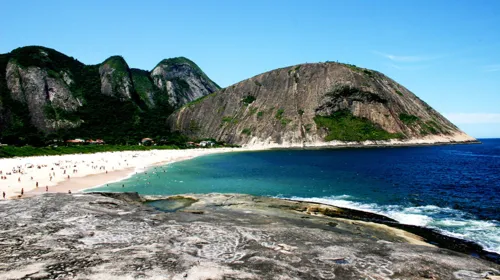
{"x": 315, "y": 104}
{"x": 46, "y": 93}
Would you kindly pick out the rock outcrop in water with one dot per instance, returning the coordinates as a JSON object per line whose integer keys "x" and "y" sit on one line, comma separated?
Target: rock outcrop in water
{"x": 313, "y": 104}
{"x": 116, "y": 236}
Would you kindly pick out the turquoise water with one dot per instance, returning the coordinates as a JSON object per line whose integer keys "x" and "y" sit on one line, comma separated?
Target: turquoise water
{"x": 455, "y": 189}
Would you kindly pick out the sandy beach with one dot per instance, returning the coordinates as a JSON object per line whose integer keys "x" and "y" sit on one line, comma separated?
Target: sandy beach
{"x": 36, "y": 175}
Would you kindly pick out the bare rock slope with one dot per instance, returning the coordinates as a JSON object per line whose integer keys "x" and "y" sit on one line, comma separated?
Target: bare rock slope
{"x": 182, "y": 80}
{"x": 315, "y": 104}
{"x": 90, "y": 236}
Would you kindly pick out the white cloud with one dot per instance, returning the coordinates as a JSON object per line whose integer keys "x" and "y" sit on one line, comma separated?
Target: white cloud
{"x": 472, "y": 118}
{"x": 405, "y": 58}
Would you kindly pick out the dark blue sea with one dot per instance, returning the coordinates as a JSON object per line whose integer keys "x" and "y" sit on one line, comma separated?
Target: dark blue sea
{"x": 453, "y": 188}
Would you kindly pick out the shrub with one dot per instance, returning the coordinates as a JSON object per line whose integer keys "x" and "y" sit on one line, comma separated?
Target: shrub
{"x": 408, "y": 119}
{"x": 193, "y": 126}
{"x": 248, "y": 99}
{"x": 368, "y": 73}
{"x": 285, "y": 121}
{"x": 344, "y": 126}
{"x": 229, "y": 119}
{"x": 252, "y": 110}
{"x": 279, "y": 113}
{"x": 308, "y": 127}
{"x": 431, "y": 127}
{"x": 246, "y": 131}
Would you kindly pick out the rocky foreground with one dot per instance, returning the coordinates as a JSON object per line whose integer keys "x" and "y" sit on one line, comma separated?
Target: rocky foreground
{"x": 119, "y": 236}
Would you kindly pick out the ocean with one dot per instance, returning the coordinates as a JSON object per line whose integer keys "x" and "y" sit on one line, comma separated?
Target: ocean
{"x": 452, "y": 188}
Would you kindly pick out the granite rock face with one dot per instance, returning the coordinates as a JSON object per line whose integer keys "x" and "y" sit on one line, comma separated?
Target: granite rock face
{"x": 182, "y": 80}
{"x": 115, "y": 78}
{"x": 51, "y": 93}
{"x": 280, "y": 107}
{"x": 42, "y": 92}
{"x": 90, "y": 236}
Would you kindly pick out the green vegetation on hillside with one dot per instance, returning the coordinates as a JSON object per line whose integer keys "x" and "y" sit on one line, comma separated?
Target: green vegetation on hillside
{"x": 279, "y": 116}
{"x": 355, "y": 68}
{"x": 247, "y": 100}
{"x": 246, "y": 131}
{"x": 116, "y": 62}
{"x": 279, "y": 113}
{"x": 229, "y": 119}
{"x": 105, "y": 117}
{"x": 344, "y": 126}
{"x": 15, "y": 120}
{"x": 341, "y": 91}
{"x": 252, "y": 110}
{"x": 431, "y": 127}
{"x": 408, "y": 119}
{"x": 196, "y": 101}
{"x": 143, "y": 85}
{"x": 44, "y": 58}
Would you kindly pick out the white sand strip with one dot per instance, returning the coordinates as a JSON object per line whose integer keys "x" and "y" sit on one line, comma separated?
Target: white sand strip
{"x": 72, "y": 172}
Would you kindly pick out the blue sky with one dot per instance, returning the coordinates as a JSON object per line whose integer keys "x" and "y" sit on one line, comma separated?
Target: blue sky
{"x": 446, "y": 52}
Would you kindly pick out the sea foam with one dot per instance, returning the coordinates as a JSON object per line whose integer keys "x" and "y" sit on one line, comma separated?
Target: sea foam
{"x": 447, "y": 221}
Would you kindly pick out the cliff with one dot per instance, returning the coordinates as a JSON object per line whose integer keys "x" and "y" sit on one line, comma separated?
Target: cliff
{"x": 183, "y": 80}
{"x": 45, "y": 94}
{"x": 315, "y": 104}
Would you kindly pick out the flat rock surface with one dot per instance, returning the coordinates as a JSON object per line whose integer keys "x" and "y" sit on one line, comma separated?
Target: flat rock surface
{"x": 92, "y": 236}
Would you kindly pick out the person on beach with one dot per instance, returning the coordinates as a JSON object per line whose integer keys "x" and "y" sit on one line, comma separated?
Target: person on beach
{"x": 3, "y": 193}
{"x": 46, "y": 188}
{"x": 22, "y": 191}
{"x": 37, "y": 184}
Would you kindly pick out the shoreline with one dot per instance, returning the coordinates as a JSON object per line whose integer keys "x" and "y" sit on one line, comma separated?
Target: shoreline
{"x": 435, "y": 140}
{"x": 78, "y": 172}
{"x": 111, "y": 162}
{"x": 89, "y": 181}
{"x": 80, "y": 184}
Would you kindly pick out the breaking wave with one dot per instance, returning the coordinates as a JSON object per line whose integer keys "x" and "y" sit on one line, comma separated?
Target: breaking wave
{"x": 448, "y": 221}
